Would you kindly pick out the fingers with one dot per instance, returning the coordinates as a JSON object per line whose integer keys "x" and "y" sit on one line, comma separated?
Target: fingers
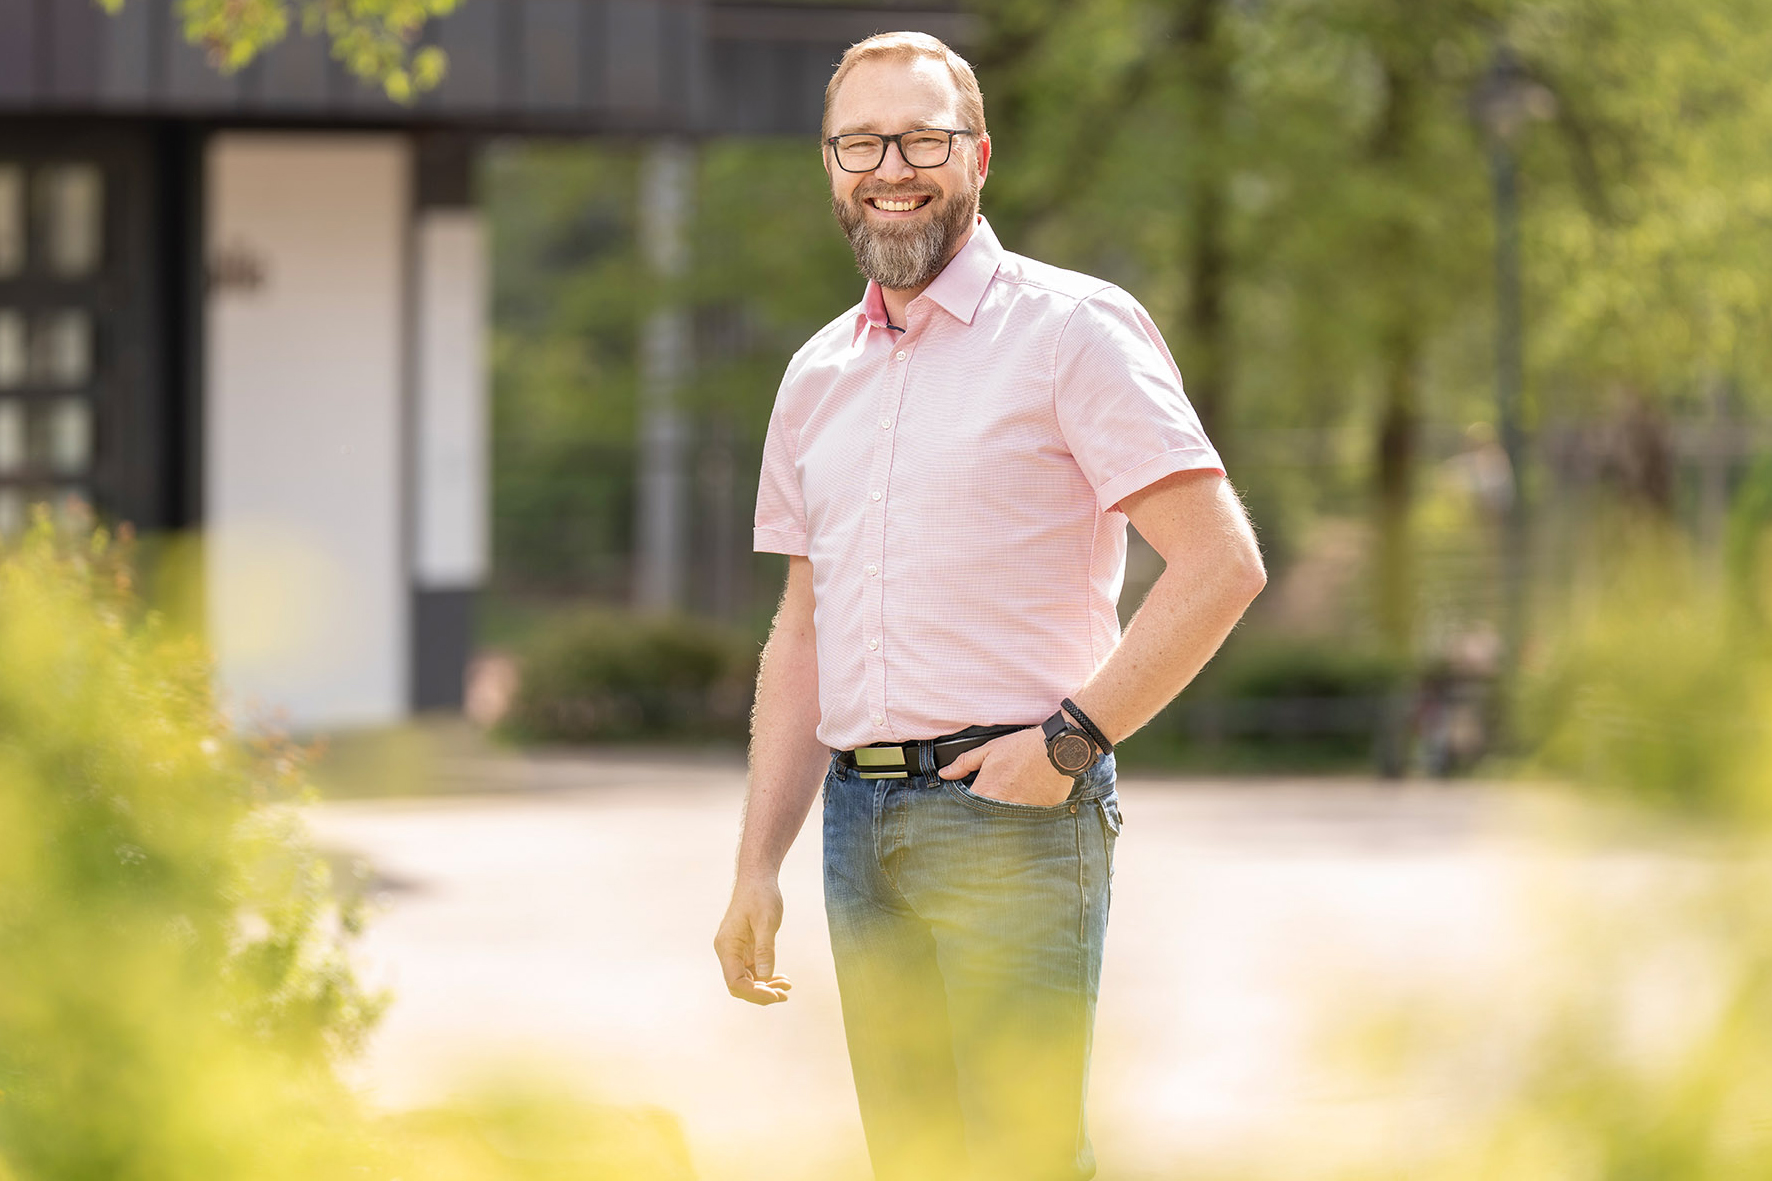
{"x": 746, "y": 950}
{"x": 967, "y": 763}
{"x": 746, "y": 983}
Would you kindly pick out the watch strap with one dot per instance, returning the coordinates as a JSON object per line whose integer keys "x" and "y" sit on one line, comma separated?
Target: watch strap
{"x": 1101, "y": 742}
{"x": 1068, "y": 746}
{"x": 1055, "y": 725}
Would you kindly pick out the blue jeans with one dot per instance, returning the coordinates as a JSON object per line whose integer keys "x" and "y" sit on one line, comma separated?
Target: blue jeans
{"x": 967, "y": 934}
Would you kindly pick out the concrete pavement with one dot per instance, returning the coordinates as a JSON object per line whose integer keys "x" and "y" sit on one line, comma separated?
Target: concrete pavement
{"x": 558, "y": 911}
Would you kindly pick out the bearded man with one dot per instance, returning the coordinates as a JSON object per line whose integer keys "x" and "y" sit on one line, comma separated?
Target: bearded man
{"x": 950, "y": 467}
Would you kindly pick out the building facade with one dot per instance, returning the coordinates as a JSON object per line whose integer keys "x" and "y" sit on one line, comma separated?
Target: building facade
{"x": 254, "y": 306}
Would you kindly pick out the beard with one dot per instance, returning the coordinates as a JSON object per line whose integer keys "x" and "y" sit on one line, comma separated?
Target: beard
{"x": 905, "y": 255}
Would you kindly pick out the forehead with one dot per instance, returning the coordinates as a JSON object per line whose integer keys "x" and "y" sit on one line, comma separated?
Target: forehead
{"x": 894, "y": 94}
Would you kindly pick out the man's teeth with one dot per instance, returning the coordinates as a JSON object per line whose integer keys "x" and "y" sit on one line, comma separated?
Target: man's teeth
{"x": 904, "y": 206}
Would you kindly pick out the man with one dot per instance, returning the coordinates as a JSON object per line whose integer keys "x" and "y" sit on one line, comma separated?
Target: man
{"x": 950, "y": 467}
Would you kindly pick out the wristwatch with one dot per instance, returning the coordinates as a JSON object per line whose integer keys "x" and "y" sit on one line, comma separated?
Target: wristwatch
{"x": 1068, "y": 745}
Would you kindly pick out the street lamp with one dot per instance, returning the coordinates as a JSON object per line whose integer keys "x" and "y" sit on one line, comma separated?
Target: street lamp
{"x": 1505, "y": 101}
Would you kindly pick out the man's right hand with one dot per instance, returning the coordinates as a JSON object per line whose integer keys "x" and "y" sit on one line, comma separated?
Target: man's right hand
{"x": 746, "y": 943}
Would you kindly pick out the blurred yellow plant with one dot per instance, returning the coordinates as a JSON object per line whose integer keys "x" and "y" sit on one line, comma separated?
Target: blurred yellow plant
{"x": 174, "y": 986}
{"x": 1657, "y": 684}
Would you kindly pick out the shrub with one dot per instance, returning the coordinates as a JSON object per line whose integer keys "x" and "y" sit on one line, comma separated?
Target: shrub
{"x": 1299, "y": 670}
{"x": 603, "y": 675}
{"x": 174, "y": 989}
{"x": 1657, "y": 686}
{"x": 173, "y": 986}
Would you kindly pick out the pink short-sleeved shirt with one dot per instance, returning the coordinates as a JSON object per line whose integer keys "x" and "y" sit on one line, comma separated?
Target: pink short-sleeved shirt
{"x": 956, "y": 487}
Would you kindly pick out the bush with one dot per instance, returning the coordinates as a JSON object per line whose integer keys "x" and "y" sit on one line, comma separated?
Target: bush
{"x": 174, "y": 989}
{"x": 603, "y": 675}
{"x": 1299, "y": 670}
{"x": 1657, "y": 687}
{"x": 173, "y": 986}
{"x": 1273, "y": 705}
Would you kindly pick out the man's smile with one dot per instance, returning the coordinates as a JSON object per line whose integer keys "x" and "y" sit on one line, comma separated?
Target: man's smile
{"x": 902, "y": 203}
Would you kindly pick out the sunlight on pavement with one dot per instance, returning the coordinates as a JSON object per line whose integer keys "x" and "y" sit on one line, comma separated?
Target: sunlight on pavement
{"x": 1258, "y": 929}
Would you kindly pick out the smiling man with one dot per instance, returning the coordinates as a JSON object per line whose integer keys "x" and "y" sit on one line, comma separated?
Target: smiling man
{"x": 950, "y": 467}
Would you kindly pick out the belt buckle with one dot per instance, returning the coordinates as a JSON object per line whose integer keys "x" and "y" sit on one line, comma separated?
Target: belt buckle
{"x": 881, "y": 756}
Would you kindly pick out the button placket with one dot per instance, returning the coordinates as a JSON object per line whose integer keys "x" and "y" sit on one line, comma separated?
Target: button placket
{"x": 892, "y": 384}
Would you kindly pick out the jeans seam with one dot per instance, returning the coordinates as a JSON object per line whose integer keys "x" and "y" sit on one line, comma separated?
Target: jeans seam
{"x": 1107, "y": 853}
{"x": 881, "y": 788}
{"x": 1082, "y": 896}
{"x": 877, "y": 806}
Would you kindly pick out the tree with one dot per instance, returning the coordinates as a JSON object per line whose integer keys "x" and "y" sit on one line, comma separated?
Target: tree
{"x": 374, "y": 39}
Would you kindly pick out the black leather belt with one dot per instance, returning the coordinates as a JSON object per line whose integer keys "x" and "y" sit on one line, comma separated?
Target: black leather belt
{"x": 901, "y": 760}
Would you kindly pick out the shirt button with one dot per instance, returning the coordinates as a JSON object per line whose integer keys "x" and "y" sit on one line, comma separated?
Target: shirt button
{"x": 875, "y": 494}
{"x": 873, "y": 645}
{"x": 878, "y": 720}
{"x": 901, "y": 354}
{"x": 885, "y": 424}
{"x": 872, "y": 569}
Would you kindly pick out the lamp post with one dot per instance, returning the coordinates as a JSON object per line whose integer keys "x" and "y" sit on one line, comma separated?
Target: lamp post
{"x": 663, "y": 504}
{"x": 1506, "y": 100}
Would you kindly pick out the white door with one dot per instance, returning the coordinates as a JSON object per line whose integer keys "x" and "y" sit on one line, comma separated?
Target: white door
{"x": 303, "y": 448}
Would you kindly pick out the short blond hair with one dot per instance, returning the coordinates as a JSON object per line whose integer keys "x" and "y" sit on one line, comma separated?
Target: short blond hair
{"x": 908, "y": 46}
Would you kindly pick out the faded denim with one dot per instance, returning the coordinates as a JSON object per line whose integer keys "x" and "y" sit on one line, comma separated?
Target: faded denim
{"x": 968, "y": 935}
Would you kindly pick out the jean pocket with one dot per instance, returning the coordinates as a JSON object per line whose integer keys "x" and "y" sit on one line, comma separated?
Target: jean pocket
{"x": 1110, "y": 812}
{"x": 961, "y": 790}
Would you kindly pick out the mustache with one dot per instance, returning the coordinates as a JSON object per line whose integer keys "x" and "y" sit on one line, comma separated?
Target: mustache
{"x": 893, "y": 192}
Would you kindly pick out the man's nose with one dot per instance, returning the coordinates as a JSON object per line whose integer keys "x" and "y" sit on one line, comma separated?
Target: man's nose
{"x": 893, "y": 166}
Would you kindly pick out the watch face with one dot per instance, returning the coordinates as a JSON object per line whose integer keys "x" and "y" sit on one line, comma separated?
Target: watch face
{"x": 1071, "y": 753}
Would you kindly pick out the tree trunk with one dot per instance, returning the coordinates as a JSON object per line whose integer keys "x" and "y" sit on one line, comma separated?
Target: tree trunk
{"x": 1398, "y": 423}
{"x": 1399, "y": 428}
{"x": 1207, "y": 259}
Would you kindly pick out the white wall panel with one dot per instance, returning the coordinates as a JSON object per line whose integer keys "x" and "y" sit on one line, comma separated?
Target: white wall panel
{"x": 450, "y": 406}
{"x": 306, "y": 567}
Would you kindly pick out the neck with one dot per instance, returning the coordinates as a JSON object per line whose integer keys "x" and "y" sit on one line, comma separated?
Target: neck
{"x": 897, "y": 299}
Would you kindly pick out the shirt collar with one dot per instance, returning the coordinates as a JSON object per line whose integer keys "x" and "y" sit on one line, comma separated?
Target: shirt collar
{"x": 959, "y": 289}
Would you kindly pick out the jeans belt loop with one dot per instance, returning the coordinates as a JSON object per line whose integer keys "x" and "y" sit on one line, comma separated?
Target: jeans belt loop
{"x": 926, "y": 759}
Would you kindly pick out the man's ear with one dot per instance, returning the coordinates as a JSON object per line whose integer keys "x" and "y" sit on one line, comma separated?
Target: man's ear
{"x": 984, "y": 158}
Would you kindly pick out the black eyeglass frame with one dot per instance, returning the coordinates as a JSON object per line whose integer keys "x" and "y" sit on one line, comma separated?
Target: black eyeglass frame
{"x": 887, "y": 140}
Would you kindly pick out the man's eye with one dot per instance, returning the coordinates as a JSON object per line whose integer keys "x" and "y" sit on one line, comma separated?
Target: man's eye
{"x": 925, "y": 142}
{"x": 859, "y": 147}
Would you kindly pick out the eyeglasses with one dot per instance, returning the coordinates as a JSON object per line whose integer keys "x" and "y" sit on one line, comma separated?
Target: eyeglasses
{"x": 921, "y": 147}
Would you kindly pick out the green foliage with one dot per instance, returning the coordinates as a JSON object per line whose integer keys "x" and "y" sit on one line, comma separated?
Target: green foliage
{"x": 1658, "y": 684}
{"x": 1315, "y": 163}
{"x": 373, "y": 39}
{"x": 568, "y": 299}
{"x": 174, "y": 991}
{"x": 1301, "y": 194}
{"x": 1308, "y": 668}
{"x": 1649, "y": 242}
{"x": 175, "y": 987}
{"x": 571, "y": 296}
{"x": 1276, "y": 705}
{"x": 606, "y": 676}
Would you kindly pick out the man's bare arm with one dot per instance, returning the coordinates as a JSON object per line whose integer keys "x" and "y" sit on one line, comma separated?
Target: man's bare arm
{"x": 787, "y": 767}
{"x": 1213, "y": 570}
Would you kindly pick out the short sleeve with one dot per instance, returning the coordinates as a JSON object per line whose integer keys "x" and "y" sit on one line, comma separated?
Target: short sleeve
{"x": 1120, "y": 403}
{"x": 781, "y": 510}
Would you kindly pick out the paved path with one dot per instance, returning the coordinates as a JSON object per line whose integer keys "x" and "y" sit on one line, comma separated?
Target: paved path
{"x": 560, "y": 911}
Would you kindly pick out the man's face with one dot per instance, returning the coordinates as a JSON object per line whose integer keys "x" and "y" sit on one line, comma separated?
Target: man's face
{"x": 896, "y": 247}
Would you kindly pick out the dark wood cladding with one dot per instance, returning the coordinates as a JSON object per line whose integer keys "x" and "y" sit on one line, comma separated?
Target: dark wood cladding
{"x": 539, "y": 66}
